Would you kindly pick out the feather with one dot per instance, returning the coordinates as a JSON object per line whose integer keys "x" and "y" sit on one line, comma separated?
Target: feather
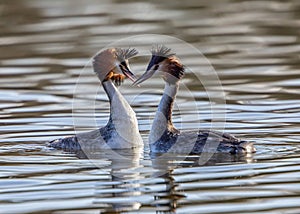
{"x": 124, "y": 54}
{"x": 161, "y": 50}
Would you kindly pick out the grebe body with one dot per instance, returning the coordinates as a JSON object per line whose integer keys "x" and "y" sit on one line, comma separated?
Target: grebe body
{"x": 121, "y": 131}
{"x": 164, "y": 137}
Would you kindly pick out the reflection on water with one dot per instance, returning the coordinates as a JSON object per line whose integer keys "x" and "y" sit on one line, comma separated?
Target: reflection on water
{"x": 254, "y": 47}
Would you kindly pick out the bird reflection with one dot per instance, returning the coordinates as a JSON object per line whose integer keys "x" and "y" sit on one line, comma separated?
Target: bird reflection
{"x": 121, "y": 190}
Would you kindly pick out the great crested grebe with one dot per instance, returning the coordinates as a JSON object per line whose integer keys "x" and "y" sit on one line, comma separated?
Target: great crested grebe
{"x": 164, "y": 136}
{"x": 121, "y": 131}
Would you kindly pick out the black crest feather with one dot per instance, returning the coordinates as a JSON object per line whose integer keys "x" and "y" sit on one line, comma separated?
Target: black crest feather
{"x": 162, "y": 51}
{"x": 124, "y": 54}
{"x": 159, "y": 54}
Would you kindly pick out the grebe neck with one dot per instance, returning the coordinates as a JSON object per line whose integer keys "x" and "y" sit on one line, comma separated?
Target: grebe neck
{"x": 163, "y": 117}
{"x": 122, "y": 117}
{"x": 167, "y": 101}
{"x": 118, "y": 104}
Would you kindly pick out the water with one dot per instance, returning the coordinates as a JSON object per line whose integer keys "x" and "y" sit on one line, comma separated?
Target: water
{"x": 253, "y": 46}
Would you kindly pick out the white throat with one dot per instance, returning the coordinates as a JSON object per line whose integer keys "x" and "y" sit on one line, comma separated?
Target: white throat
{"x": 123, "y": 117}
{"x": 163, "y": 115}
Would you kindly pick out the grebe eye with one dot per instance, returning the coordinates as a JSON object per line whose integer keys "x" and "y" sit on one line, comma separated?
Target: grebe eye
{"x": 156, "y": 67}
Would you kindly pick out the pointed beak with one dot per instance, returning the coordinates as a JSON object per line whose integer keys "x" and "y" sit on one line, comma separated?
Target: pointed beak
{"x": 126, "y": 71}
{"x": 145, "y": 76}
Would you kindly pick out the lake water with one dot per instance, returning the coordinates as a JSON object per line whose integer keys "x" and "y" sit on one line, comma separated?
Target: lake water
{"x": 252, "y": 45}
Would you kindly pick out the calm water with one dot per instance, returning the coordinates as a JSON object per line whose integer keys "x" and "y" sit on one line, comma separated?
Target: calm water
{"x": 254, "y": 47}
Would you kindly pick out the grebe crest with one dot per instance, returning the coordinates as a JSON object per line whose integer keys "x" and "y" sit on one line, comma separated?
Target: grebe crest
{"x": 165, "y": 61}
{"x": 113, "y": 60}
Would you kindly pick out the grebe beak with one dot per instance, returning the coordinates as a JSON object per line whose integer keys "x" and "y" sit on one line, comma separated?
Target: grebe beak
{"x": 126, "y": 71}
{"x": 145, "y": 76}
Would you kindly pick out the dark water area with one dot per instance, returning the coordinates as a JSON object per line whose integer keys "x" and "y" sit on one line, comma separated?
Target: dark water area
{"x": 254, "y": 49}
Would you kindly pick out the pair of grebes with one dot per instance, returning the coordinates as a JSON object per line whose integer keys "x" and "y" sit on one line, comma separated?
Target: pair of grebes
{"x": 121, "y": 131}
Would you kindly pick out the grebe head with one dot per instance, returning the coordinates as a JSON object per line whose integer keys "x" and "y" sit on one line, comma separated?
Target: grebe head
{"x": 165, "y": 61}
{"x": 113, "y": 61}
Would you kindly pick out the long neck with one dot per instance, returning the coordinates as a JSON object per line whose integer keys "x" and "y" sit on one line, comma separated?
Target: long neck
{"x": 167, "y": 101}
{"x": 122, "y": 116}
{"x": 118, "y": 105}
{"x": 163, "y": 116}
{"x": 114, "y": 96}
